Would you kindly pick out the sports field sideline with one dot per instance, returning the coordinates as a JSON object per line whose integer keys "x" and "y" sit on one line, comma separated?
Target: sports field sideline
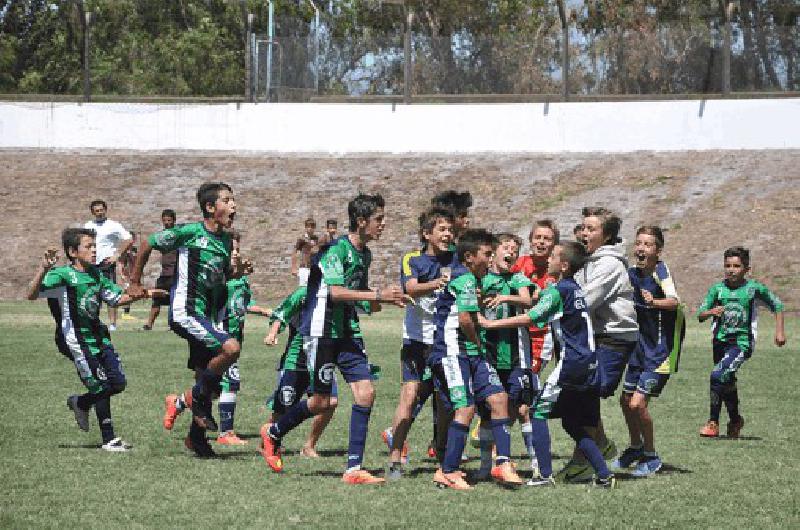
{"x": 54, "y": 475}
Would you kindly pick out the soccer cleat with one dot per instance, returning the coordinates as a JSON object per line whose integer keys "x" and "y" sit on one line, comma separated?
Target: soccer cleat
{"x": 575, "y": 473}
{"x": 201, "y": 448}
{"x": 361, "y": 476}
{"x": 542, "y": 482}
{"x": 454, "y": 480}
{"x": 81, "y": 416}
{"x": 230, "y": 438}
{"x": 201, "y": 410}
{"x": 117, "y": 445}
{"x": 608, "y": 483}
{"x": 629, "y": 456}
{"x": 735, "y": 428}
{"x": 506, "y": 475}
{"x": 147, "y": 327}
{"x": 270, "y": 450}
{"x": 647, "y": 467}
{"x": 710, "y": 429}
{"x": 171, "y": 412}
{"x": 610, "y": 450}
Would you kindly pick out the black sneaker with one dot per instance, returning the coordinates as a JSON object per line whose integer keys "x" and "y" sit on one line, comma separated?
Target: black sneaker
{"x": 609, "y": 483}
{"x": 201, "y": 410}
{"x": 200, "y": 447}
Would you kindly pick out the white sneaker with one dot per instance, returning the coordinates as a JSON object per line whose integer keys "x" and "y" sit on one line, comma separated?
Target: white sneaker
{"x": 112, "y": 327}
{"x": 117, "y": 445}
{"x": 81, "y": 416}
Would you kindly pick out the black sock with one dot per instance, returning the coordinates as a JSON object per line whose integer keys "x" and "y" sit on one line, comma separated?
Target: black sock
{"x": 716, "y": 405}
{"x": 103, "y": 410}
{"x": 196, "y": 433}
{"x": 731, "y": 399}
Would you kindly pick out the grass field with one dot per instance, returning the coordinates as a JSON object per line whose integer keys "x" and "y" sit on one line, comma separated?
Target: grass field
{"x": 55, "y": 475}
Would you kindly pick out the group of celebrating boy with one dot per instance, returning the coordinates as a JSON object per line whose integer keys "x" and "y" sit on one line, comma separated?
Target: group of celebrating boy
{"x": 481, "y": 324}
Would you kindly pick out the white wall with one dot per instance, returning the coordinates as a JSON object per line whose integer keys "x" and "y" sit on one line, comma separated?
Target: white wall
{"x": 351, "y": 128}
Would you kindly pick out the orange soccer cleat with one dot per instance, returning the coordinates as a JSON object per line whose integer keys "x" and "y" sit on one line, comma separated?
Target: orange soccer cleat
{"x": 506, "y": 475}
{"x": 710, "y": 429}
{"x": 230, "y": 438}
{"x": 171, "y": 412}
{"x": 270, "y": 450}
{"x": 361, "y": 476}
{"x": 454, "y": 480}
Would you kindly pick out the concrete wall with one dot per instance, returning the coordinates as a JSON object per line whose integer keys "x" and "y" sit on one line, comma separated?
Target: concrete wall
{"x": 350, "y": 128}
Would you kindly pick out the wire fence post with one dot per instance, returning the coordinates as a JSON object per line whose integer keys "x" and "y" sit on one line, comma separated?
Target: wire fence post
{"x": 407, "y": 70}
{"x": 562, "y": 13}
{"x": 248, "y": 59}
{"x": 726, "y": 49}
{"x": 87, "y": 78}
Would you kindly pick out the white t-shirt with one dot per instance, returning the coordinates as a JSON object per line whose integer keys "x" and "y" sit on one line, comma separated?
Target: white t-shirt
{"x": 109, "y": 235}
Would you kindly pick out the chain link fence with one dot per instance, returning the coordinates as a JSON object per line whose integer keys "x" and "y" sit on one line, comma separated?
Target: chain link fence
{"x": 118, "y": 53}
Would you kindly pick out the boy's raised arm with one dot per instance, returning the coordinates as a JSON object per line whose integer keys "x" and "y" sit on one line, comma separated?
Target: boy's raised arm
{"x": 135, "y": 289}
{"x": 48, "y": 261}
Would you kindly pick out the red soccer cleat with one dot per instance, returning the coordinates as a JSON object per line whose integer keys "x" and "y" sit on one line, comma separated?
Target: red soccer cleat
{"x": 710, "y": 429}
{"x": 270, "y": 450}
{"x": 171, "y": 412}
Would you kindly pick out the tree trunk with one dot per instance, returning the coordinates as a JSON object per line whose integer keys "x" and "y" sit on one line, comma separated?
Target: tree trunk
{"x": 759, "y": 28}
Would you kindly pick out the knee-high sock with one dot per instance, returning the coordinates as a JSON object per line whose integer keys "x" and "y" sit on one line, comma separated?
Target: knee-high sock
{"x": 102, "y": 408}
{"x": 227, "y": 409}
{"x": 587, "y": 446}
{"x": 715, "y": 404}
{"x": 731, "y": 399}
{"x": 541, "y": 444}
{"x": 456, "y": 440}
{"x": 502, "y": 439}
{"x": 293, "y": 417}
{"x": 359, "y": 423}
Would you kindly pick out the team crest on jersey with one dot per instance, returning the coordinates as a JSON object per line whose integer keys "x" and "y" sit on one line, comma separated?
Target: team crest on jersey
{"x": 101, "y": 374}
{"x": 165, "y": 238}
{"x": 89, "y": 304}
{"x": 287, "y": 395}
{"x": 325, "y": 373}
{"x": 494, "y": 379}
{"x": 334, "y": 264}
{"x": 732, "y": 316}
{"x": 202, "y": 242}
{"x": 456, "y": 394}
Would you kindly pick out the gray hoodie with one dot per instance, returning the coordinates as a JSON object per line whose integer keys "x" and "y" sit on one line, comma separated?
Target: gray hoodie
{"x": 608, "y": 293}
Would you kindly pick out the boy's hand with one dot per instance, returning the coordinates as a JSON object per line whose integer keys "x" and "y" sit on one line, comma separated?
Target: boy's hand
{"x": 780, "y": 339}
{"x": 393, "y": 295}
{"x": 136, "y": 291}
{"x": 648, "y": 297}
{"x": 158, "y": 293}
{"x": 49, "y": 259}
{"x": 271, "y": 339}
{"x": 494, "y": 300}
{"x": 483, "y": 321}
{"x": 717, "y": 311}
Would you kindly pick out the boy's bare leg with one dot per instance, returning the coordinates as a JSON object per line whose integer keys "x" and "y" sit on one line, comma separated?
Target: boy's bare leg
{"x": 402, "y": 418}
{"x": 318, "y": 425}
{"x": 639, "y": 404}
{"x": 631, "y": 419}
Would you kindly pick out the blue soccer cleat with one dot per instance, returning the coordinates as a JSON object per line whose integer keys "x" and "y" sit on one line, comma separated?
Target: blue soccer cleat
{"x": 628, "y": 457}
{"x": 647, "y": 467}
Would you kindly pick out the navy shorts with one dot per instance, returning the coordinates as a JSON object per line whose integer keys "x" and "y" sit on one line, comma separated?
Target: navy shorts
{"x": 292, "y": 385}
{"x": 204, "y": 337}
{"x": 231, "y": 382}
{"x": 519, "y": 385}
{"x": 641, "y": 377}
{"x": 413, "y": 361}
{"x": 324, "y": 354}
{"x": 611, "y": 363}
{"x": 728, "y": 358}
{"x": 106, "y": 369}
{"x": 583, "y": 407}
{"x": 465, "y": 381}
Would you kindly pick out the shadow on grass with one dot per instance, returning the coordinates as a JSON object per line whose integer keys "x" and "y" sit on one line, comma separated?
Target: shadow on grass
{"x": 739, "y": 439}
{"x": 338, "y": 474}
{"x": 666, "y": 469}
{"x": 79, "y": 446}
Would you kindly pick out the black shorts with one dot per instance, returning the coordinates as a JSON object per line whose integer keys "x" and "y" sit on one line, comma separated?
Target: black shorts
{"x": 109, "y": 271}
{"x": 163, "y": 282}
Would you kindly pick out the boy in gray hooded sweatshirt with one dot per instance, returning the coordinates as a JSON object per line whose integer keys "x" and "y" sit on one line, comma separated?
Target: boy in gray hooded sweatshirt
{"x": 608, "y": 292}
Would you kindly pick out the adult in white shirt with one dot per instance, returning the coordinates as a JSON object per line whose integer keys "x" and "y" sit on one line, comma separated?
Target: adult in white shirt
{"x": 112, "y": 241}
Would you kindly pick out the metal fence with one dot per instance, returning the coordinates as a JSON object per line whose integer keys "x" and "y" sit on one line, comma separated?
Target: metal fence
{"x": 302, "y": 61}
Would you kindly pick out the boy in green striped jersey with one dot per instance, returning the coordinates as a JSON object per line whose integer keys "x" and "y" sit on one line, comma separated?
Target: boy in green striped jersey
{"x": 731, "y": 304}
{"x": 505, "y": 295}
{"x": 74, "y": 294}
{"x": 198, "y": 292}
{"x": 293, "y": 375}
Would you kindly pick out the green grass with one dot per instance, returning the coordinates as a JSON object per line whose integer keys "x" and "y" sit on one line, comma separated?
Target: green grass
{"x": 54, "y": 475}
